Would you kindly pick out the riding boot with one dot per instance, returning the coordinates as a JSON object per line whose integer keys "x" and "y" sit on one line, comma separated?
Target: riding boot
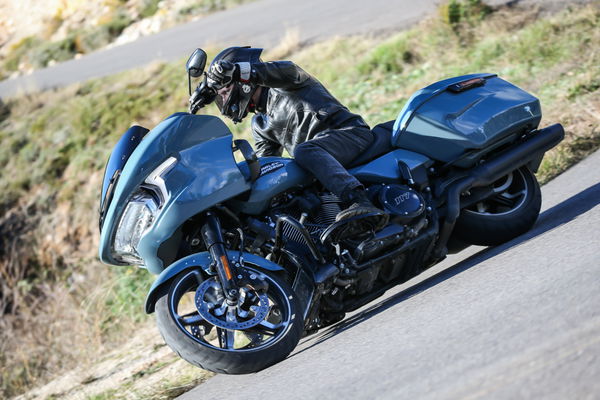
{"x": 361, "y": 205}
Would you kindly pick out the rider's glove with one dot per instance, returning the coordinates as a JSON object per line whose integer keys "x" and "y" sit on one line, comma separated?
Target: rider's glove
{"x": 202, "y": 96}
{"x": 224, "y": 72}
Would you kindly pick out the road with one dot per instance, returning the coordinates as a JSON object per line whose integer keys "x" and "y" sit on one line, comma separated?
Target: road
{"x": 260, "y": 24}
{"x": 518, "y": 321}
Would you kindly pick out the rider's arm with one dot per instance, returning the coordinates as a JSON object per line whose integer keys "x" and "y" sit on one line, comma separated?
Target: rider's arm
{"x": 278, "y": 74}
{"x": 265, "y": 147}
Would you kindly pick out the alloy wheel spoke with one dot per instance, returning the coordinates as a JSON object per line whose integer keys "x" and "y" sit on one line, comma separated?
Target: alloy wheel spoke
{"x": 502, "y": 201}
{"x": 270, "y": 325}
{"x": 511, "y": 196}
{"x": 260, "y": 330}
{"x": 229, "y": 338}
{"x": 191, "y": 319}
{"x": 222, "y": 338}
{"x": 265, "y": 328}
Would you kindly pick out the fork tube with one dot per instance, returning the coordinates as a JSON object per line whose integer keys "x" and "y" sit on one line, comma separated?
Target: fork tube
{"x": 211, "y": 233}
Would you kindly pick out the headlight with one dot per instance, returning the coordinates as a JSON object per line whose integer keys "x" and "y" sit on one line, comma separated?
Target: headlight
{"x": 137, "y": 218}
{"x": 140, "y": 213}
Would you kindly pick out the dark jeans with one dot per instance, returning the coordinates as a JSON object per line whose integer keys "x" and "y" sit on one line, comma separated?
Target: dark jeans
{"x": 327, "y": 154}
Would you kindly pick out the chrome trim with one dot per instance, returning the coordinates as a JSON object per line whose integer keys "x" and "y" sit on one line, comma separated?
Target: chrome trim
{"x": 156, "y": 178}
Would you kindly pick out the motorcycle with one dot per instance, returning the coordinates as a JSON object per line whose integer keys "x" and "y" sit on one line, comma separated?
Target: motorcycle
{"x": 248, "y": 253}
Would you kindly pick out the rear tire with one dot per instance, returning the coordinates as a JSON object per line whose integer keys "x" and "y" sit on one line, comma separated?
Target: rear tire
{"x": 510, "y": 212}
{"x": 197, "y": 347}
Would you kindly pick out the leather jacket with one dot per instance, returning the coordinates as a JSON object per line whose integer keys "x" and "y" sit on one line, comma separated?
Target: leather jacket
{"x": 296, "y": 108}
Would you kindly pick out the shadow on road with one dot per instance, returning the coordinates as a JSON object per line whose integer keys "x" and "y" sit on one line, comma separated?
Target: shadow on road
{"x": 552, "y": 218}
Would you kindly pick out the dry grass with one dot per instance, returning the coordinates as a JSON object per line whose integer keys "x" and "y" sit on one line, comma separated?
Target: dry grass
{"x": 60, "y": 307}
{"x": 142, "y": 368}
{"x": 289, "y": 44}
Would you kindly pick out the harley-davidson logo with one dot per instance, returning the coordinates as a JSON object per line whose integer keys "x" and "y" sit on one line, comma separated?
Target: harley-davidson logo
{"x": 270, "y": 167}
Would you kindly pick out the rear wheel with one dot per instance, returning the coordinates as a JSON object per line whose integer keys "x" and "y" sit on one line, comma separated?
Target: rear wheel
{"x": 511, "y": 211}
{"x": 259, "y": 330}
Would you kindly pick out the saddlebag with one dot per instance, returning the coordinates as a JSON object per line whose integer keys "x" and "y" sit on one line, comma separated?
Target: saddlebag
{"x": 460, "y": 120}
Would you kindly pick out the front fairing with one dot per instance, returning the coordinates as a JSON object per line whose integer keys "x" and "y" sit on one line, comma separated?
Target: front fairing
{"x": 204, "y": 174}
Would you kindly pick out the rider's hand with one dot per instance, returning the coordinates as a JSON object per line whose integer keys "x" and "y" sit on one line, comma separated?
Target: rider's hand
{"x": 202, "y": 96}
{"x": 222, "y": 73}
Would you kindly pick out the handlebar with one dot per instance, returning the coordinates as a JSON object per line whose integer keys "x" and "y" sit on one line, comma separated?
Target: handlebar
{"x": 202, "y": 96}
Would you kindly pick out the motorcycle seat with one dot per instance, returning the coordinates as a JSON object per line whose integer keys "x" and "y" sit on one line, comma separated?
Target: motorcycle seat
{"x": 382, "y": 144}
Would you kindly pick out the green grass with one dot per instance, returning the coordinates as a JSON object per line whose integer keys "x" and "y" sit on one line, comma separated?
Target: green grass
{"x": 54, "y": 146}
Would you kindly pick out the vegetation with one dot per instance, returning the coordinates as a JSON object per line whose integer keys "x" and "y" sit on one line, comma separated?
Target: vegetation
{"x": 36, "y": 52}
{"x": 39, "y": 53}
{"x": 456, "y": 12}
{"x": 207, "y": 6}
{"x": 53, "y": 291}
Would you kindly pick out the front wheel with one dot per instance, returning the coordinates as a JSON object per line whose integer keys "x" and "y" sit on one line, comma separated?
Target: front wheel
{"x": 259, "y": 330}
{"x": 511, "y": 211}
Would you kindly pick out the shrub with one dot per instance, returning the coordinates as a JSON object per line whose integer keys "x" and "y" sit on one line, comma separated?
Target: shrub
{"x": 390, "y": 57}
{"x": 149, "y": 8}
{"x": 460, "y": 11}
{"x": 19, "y": 51}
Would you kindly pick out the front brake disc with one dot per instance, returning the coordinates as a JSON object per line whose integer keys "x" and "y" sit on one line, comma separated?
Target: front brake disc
{"x": 206, "y": 308}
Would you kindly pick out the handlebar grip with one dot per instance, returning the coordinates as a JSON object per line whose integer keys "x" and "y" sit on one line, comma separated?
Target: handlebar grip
{"x": 202, "y": 96}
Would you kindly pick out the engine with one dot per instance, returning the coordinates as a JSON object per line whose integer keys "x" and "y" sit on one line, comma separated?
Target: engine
{"x": 359, "y": 265}
{"x": 353, "y": 269}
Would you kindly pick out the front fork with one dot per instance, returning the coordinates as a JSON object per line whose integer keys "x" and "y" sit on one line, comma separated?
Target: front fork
{"x": 227, "y": 272}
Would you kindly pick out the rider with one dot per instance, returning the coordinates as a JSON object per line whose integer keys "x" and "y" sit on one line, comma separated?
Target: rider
{"x": 293, "y": 110}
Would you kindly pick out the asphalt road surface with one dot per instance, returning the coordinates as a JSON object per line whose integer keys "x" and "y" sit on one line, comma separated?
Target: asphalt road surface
{"x": 518, "y": 321}
{"x": 260, "y": 24}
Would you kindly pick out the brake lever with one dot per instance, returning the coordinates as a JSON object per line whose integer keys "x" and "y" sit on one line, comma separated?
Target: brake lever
{"x": 202, "y": 96}
{"x": 196, "y": 101}
{"x": 195, "y": 105}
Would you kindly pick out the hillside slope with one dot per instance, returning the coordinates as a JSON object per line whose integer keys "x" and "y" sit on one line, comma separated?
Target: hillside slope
{"x": 61, "y": 308}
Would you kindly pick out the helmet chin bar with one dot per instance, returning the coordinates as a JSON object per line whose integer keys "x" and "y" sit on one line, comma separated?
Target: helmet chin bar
{"x": 235, "y": 105}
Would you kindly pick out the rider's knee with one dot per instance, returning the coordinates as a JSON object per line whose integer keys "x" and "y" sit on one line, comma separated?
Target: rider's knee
{"x": 304, "y": 152}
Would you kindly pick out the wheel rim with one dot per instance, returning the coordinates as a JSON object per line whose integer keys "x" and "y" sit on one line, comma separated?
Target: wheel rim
{"x": 258, "y": 320}
{"x": 510, "y": 193}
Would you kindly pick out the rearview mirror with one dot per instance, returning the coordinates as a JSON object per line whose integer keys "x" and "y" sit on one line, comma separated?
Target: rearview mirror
{"x": 196, "y": 63}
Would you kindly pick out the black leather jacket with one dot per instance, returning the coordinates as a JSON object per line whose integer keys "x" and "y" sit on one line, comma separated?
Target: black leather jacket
{"x": 296, "y": 108}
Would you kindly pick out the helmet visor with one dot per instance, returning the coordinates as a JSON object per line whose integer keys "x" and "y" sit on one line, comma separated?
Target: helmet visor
{"x": 223, "y": 97}
{"x": 233, "y": 100}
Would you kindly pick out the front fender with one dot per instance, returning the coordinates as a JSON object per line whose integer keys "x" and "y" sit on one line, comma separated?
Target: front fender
{"x": 202, "y": 260}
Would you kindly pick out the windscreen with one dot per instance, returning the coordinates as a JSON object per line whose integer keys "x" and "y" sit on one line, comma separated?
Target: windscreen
{"x": 119, "y": 156}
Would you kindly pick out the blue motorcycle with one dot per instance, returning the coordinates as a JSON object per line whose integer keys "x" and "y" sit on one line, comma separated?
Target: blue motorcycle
{"x": 248, "y": 254}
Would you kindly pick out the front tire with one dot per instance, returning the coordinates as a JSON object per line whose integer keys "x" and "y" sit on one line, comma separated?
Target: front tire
{"x": 510, "y": 212}
{"x": 229, "y": 351}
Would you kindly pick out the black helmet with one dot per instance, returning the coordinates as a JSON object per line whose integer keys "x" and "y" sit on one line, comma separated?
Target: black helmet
{"x": 234, "y": 103}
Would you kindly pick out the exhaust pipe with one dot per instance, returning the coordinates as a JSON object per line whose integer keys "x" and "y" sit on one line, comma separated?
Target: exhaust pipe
{"x": 492, "y": 170}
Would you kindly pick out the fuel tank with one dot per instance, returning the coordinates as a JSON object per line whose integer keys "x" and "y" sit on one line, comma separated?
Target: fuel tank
{"x": 277, "y": 175}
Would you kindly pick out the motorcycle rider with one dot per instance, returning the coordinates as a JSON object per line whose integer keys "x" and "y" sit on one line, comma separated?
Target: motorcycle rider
{"x": 293, "y": 110}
